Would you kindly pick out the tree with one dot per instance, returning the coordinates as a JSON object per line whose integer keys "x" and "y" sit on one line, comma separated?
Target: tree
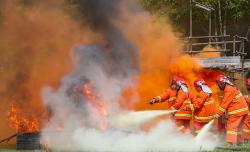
{"x": 231, "y": 13}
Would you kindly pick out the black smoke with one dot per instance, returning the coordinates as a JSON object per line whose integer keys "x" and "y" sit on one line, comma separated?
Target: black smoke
{"x": 120, "y": 54}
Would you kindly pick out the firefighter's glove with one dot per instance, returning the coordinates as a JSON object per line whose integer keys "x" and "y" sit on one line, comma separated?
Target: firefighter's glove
{"x": 216, "y": 116}
{"x": 152, "y": 101}
{"x": 185, "y": 108}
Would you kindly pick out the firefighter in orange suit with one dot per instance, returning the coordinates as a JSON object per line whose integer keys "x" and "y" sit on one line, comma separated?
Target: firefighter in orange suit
{"x": 236, "y": 107}
{"x": 202, "y": 105}
{"x": 182, "y": 117}
{"x": 168, "y": 96}
{"x": 246, "y": 127}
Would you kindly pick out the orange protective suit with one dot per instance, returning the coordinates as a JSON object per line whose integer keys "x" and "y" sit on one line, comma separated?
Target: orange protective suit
{"x": 168, "y": 96}
{"x": 234, "y": 103}
{"x": 204, "y": 109}
{"x": 182, "y": 117}
{"x": 246, "y": 127}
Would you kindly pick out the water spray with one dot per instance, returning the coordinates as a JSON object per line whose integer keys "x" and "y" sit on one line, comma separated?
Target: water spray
{"x": 133, "y": 119}
{"x": 204, "y": 131}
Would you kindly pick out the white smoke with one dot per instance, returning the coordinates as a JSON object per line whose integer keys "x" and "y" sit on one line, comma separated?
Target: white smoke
{"x": 162, "y": 138}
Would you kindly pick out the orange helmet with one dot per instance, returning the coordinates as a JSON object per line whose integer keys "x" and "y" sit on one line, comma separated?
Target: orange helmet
{"x": 178, "y": 81}
{"x": 223, "y": 79}
{"x": 199, "y": 82}
{"x": 248, "y": 83}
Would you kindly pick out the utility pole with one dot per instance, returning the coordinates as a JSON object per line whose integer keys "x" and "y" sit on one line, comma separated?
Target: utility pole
{"x": 190, "y": 26}
{"x": 224, "y": 26}
{"x": 209, "y": 10}
{"x": 219, "y": 17}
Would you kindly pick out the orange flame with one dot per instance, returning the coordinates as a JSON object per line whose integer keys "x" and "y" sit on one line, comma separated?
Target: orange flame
{"x": 99, "y": 107}
{"x": 20, "y": 123}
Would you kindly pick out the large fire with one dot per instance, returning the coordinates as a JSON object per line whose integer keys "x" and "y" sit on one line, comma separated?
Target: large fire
{"x": 21, "y": 123}
{"x": 96, "y": 106}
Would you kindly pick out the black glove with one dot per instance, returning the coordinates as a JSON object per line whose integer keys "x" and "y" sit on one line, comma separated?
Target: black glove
{"x": 152, "y": 101}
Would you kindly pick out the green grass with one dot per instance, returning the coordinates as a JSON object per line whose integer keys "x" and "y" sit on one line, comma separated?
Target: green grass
{"x": 243, "y": 148}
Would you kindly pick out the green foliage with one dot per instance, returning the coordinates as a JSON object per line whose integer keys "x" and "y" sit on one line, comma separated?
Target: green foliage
{"x": 238, "y": 8}
{"x": 178, "y": 11}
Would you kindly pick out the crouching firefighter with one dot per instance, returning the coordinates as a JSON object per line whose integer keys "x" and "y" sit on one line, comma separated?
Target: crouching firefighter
{"x": 236, "y": 107}
{"x": 202, "y": 105}
{"x": 246, "y": 127}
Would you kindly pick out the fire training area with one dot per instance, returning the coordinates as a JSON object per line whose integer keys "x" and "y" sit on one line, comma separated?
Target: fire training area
{"x": 87, "y": 75}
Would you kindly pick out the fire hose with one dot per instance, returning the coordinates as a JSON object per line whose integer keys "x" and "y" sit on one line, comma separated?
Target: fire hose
{"x": 8, "y": 138}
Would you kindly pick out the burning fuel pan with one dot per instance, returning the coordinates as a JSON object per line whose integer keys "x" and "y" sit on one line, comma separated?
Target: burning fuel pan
{"x": 28, "y": 141}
